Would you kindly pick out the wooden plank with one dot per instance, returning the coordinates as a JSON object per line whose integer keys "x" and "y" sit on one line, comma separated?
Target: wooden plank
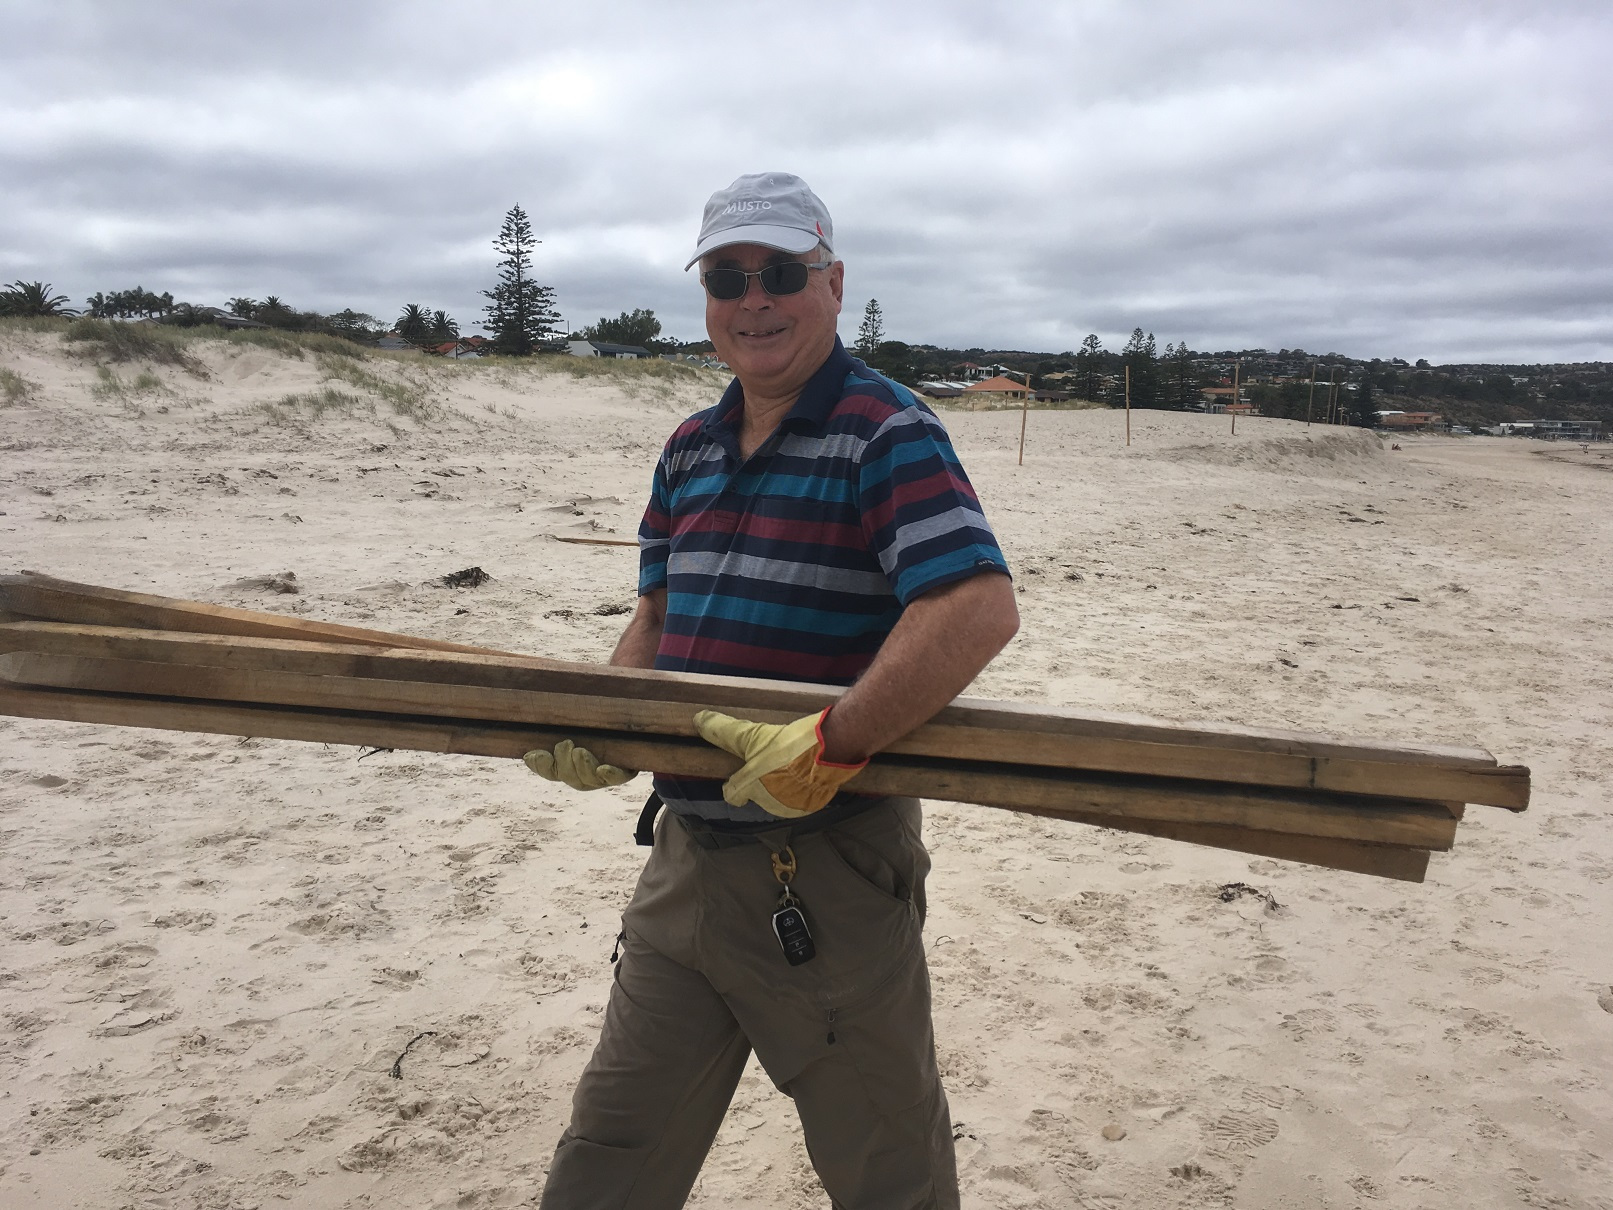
{"x": 1381, "y": 860}
{"x": 508, "y": 740}
{"x": 1004, "y": 731}
{"x": 595, "y": 541}
{"x": 988, "y": 783}
{"x": 45, "y": 597}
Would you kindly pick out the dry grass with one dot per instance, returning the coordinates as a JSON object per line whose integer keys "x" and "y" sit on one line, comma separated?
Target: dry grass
{"x": 14, "y": 387}
{"x": 113, "y": 340}
{"x": 406, "y": 397}
{"x": 295, "y": 411}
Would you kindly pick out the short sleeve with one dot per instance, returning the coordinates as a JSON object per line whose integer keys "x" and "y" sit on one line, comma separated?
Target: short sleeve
{"x": 920, "y": 515}
{"x": 655, "y": 533}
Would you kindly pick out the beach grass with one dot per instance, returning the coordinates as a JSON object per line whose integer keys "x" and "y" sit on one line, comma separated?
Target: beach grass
{"x": 14, "y": 388}
{"x": 293, "y": 344}
{"x": 295, "y": 410}
{"x": 407, "y": 398}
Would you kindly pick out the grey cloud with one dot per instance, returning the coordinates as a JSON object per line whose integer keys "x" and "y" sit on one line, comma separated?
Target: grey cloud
{"x": 1371, "y": 177}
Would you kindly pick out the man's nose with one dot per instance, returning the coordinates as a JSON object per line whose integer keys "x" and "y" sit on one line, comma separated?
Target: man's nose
{"x": 754, "y": 295}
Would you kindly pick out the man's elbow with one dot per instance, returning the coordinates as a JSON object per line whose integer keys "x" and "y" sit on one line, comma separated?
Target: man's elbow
{"x": 1008, "y": 615}
{"x": 998, "y": 615}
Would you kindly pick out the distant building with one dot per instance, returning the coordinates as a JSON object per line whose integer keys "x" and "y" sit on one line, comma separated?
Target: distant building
{"x": 468, "y": 347}
{"x": 1407, "y": 422}
{"x": 395, "y": 342}
{"x": 600, "y": 348}
{"x": 1568, "y": 430}
{"x": 999, "y": 387}
{"x": 1219, "y": 400}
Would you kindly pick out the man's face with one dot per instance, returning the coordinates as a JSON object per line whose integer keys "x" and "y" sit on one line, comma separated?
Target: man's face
{"x": 773, "y": 343}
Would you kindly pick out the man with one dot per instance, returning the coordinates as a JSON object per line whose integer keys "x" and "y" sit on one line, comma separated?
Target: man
{"x": 814, "y": 525}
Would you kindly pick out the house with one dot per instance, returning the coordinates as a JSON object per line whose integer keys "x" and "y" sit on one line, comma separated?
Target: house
{"x": 999, "y": 387}
{"x": 395, "y": 342}
{"x": 1045, "y": 396}
{"x": 1219, "y": 400}
{"x": 1568, "y": 430}
{"x": 468, "y": 347}
{"x": 227, "y": 319}
{"x": 600, "y": 348}
{"x": 1402, "y": 422}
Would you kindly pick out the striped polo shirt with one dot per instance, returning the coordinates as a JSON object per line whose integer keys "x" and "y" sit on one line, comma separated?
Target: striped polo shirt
{"x": 797, "y": 562}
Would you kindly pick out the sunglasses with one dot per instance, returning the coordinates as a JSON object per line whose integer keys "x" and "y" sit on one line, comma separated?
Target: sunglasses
{"x": 786, "y": 277}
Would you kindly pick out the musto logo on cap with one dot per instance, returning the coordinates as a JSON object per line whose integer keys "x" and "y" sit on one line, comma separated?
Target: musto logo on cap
{"x": 743, "y": 207}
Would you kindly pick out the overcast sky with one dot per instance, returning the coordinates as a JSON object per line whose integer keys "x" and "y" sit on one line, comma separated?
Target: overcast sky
{"x": 1429, "y": 179}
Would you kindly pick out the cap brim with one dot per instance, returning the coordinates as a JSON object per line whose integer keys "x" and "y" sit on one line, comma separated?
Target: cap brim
{"x": 785, "y": 239}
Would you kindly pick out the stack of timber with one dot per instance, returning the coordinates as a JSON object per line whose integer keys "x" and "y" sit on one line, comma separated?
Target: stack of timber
{"x": 86, "y": 654}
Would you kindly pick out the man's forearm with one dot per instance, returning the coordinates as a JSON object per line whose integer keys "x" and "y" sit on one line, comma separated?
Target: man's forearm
{"x": 942, "y": 642}
{"x": 642, "y": 638}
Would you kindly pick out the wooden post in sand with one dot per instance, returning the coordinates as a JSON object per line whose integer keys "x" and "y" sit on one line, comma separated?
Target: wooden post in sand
{"x": 1312, "y": 400}
{"x": 1237, "y": 375}
{"x": 1332, "y": 393}
{"x": 1024, "y": 415}
{"x": 1128, "y": 405}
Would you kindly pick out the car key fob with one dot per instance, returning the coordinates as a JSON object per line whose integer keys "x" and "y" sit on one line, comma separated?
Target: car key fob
{"x": 790, "y": 926}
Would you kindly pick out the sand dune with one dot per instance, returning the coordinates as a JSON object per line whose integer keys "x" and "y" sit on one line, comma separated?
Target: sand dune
{"x": 213, "y": 952}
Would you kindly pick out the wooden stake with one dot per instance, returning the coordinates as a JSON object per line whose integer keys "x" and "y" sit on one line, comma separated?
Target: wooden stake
{"x": 1024, "y": 415}
{"x": 1237, "y": 372}
{"x": 1310, "y": 401}
{"x": 1128, "y": 405}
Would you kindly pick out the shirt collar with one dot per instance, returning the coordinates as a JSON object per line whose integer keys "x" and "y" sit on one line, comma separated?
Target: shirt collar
{"x": 812, "y": 406}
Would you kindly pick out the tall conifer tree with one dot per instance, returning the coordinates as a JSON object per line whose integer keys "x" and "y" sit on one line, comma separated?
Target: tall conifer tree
{"x": 520, "y": 313}
{"x": 872, "y": 332}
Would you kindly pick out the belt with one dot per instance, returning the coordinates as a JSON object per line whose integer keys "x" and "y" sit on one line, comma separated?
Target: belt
{"x": 730, "y": 834}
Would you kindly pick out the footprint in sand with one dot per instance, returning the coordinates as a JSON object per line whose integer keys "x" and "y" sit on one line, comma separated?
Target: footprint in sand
{"x": 1243, "y": 1131}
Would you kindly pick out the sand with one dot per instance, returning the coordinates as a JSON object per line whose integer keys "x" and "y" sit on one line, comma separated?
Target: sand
{"x": 212, "y": 951}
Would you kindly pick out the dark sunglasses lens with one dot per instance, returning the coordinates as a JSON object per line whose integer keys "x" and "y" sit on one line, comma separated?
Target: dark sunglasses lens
{"x": 787, "y": 278}
{"x": 725, "y": 284}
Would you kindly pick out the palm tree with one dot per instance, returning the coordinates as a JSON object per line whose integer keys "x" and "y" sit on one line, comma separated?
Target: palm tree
{"x": 32, "y": 298}
{"x": 443, "y": 327}
{"x": 413, "y": 323}
{"x": 243, "y": 307}
{"x": 273, "y": 312}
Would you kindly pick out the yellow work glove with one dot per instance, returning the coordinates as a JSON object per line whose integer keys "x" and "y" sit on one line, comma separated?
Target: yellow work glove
{"x": 577, "y": 767}
{"x": 784, "y": 772}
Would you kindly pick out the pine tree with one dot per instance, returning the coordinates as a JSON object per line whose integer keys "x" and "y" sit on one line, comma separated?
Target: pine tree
{"x": 1088, "y": 363}
{"x": 1366, "y": 407}
{"x": 1140, "y": 355}
{"x": 872, "y": 332}
{"x": 1179, "y": 373}
{"x": 520, "y": 313}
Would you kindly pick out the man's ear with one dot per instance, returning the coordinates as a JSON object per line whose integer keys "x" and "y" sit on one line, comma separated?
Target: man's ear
{"x": 837, "y": 282}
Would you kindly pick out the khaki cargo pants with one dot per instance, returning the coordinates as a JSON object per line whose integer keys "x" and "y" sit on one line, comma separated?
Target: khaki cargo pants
{"x": 702, "y": 981}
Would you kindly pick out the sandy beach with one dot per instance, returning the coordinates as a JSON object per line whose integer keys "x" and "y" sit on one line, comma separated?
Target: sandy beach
{"x": 214, "y": 951}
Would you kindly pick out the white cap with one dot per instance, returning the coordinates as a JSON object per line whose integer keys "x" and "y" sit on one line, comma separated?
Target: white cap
{"x": 773, "y": 209}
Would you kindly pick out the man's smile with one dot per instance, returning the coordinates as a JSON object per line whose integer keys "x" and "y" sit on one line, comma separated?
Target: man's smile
{"x": 760, "y": 333}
